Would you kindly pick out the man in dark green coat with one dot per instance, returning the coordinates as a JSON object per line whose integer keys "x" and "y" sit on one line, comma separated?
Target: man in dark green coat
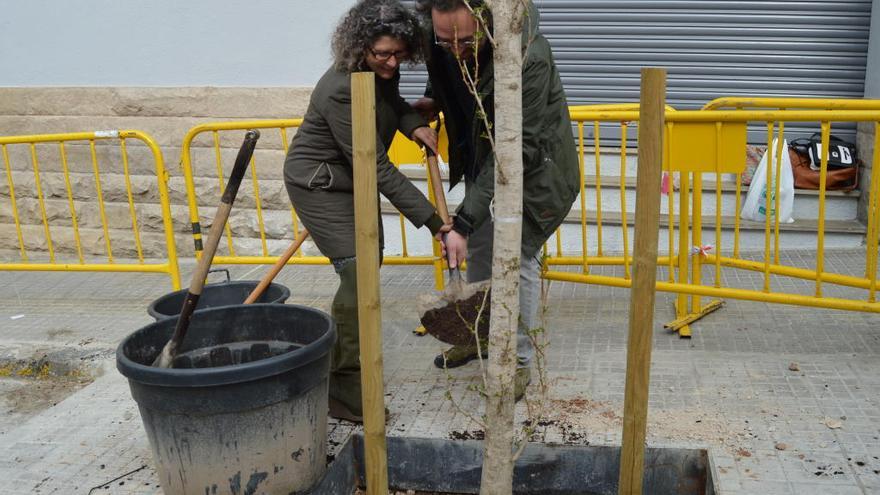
{"x": 550, "y": 161}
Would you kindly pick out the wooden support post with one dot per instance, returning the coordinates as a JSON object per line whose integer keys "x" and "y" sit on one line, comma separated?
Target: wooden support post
{"x": 366, "y": 219}
{"x": 641, "y": 305}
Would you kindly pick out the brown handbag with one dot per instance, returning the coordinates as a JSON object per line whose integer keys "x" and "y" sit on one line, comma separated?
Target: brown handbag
{"x": 842, "y": 179}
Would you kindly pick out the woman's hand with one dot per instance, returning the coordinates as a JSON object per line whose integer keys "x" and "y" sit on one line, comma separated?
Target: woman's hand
{"x": 426, "y": 136}
{"x": 426, "y": 108}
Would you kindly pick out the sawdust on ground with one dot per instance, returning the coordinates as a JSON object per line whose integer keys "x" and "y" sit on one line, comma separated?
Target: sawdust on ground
{"x": 578, "y": 418}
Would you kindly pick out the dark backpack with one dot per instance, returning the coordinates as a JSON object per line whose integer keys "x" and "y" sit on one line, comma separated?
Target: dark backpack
{"x": 840, "y": 153}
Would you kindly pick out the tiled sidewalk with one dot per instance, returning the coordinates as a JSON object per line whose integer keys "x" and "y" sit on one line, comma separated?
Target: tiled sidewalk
{"x": 787, "y": 399}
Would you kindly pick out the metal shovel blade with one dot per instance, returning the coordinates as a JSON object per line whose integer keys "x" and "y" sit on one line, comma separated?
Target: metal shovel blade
{"x": 458, "y": 313}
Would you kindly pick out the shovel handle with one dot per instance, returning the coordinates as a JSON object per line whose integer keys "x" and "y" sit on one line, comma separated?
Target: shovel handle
{"x": 437, "y": 186}
{"x": 437, "y": 183}
{"x": 230, "y": 191}
{"x": 273, "y": 272}
{"x": 166, "y": 357}
{"x": 440, "y": 198}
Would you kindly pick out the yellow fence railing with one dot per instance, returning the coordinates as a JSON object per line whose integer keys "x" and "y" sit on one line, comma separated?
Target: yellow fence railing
{"x": 711, "y": 143}
{"x": 699, "y": 144}
{"x": 251, "y": 210}
{"x": 77, "y": 206}
{"x": 92, "y": 204}
{"x": 742, "y": 102}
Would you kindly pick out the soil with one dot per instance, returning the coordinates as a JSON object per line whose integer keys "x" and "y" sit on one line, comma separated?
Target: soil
{"x": 43, "y": 394}
{"x": 467, "y": 435}
{"x": 577, "y": 418}
{"x": 45, "y": 378}
{"x": 405, "y": 492}
{"x": 453, "y": 322}
{"x": 22, "y": 397}
{"x": 233, "y": 353}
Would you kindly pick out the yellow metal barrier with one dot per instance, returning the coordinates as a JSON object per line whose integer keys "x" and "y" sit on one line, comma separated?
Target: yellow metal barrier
{"x": 51, "y": 213}
{"x": 720, "y": 140}
{"x": 713, "y": 142}
{"x": 739, "y": 102}
{"x": 402, "y": 151}
{"x": 708, "y": 141}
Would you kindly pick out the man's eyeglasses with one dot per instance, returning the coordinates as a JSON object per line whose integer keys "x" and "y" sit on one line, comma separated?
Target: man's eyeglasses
{"x": 468, "y": 42}
{"x": 382, "y": 56}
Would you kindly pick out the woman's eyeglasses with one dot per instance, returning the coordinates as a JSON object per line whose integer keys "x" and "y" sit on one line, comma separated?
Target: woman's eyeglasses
{"x": 382, "y": 56}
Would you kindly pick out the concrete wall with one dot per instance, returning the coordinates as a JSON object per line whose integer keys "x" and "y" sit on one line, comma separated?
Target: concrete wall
{"x": 135, "y": 65}
{"x": 162, "y": 67}
{"x": 865, "y": 137}
{"x": 164, "y": 113}
{"x": 166, "y": 42}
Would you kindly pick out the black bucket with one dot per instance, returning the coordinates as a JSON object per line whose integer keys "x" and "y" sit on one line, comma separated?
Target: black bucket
{"x": 259, "y": 426}
{"x": 219, "y": 294}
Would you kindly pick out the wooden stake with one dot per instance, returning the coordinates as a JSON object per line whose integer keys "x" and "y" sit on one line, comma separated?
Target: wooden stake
{"x": 641, "y": 306}
{"x": 366, "y": 220}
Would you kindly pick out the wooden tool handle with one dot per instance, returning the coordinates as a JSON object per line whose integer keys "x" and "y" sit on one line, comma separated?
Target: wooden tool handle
{"x": 229, "y": 192}
{"x": 273, "y": 272}
{"x": 437, "y": 185}
{"x": 166, "y": 357}
{"x": 437, "y": 182}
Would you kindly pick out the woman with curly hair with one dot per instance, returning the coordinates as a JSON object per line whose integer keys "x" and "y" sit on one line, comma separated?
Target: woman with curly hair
{"x": 377, "y": 36}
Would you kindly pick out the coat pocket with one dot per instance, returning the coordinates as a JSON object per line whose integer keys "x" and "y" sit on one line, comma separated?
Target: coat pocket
{"x": 321, "y": 177}
{"x": 547, "y": 196}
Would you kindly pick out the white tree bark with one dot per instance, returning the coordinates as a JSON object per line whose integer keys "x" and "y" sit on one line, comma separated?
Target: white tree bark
{"x": 497, "y": 474}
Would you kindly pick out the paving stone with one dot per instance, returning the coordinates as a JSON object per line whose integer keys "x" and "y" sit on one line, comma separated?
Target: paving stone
{"x": 728, "y": 388}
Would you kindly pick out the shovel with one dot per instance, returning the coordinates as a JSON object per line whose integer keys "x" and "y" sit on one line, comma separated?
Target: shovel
{"x": 166, "y": 357}
{"x": 282, "y": 260}
{"x": 452, "y": 314}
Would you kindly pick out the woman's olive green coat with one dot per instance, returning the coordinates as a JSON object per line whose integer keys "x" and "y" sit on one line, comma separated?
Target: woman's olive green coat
{"x": 318, "y": 170}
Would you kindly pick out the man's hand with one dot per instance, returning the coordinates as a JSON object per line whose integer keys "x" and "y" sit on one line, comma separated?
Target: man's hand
{"x": 426, "y": 108}
{"x": 426, "y": 136}
{"x": 441, "y": 237}
{"x": 455, "y": 248}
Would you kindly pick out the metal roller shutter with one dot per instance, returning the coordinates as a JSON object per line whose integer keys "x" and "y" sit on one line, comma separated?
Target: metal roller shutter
{"x": 711, "y": 48}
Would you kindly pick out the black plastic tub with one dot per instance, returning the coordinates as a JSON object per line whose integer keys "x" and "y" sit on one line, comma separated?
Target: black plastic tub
{"x": 455, "y": 466}
{"x": 219, "y": 294}
{"x": 258, "y": 425}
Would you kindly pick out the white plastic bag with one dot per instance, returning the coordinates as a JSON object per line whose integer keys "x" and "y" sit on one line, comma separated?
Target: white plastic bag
{"x": 755, "y": 205}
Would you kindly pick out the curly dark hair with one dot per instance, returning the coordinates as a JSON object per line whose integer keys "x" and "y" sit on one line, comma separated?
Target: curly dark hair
{"x": 368, "y": 21}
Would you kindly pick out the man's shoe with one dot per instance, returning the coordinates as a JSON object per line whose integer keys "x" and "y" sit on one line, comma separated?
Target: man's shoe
{"x": 520, "y": 381}
{"x": 459, "y": 355}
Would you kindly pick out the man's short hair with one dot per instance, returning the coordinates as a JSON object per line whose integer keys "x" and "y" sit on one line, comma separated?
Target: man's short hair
{"x": 424, "y": 7}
